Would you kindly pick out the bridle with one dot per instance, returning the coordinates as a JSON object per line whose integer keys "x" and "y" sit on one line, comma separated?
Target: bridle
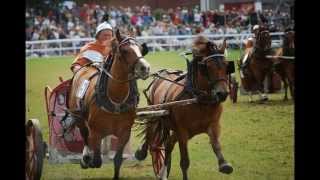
{"x": 132, "y": 76}
{"x": 261, "y": 39}
{"x": 203, "y": 63}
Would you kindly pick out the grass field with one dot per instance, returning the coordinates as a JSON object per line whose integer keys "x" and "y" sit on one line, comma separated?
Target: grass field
{"x": 257, "y": 139}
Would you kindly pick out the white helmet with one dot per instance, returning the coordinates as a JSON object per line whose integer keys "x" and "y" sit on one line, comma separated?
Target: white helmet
{"x": 103, "y": 26}
{"x": 256, "y": 27}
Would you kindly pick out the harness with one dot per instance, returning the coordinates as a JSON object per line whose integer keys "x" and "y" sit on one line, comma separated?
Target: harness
{"x": 104, "y": 102}
{"x": 189, "y": 87}
{"x": 101, "y": 98}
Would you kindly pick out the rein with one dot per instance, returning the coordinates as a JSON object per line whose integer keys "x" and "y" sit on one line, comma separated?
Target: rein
{"x": 204, "y": 60}
{"x": 133, "y": 77}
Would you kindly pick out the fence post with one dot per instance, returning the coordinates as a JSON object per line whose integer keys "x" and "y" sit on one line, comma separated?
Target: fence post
{"x": 74, "y": 47}
{"x": 60, "y": 48}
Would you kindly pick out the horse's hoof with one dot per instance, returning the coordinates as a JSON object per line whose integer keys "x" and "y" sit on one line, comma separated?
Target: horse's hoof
{"x": 140, "y": 154}
{"x": 86, "y": 159}
{"x": 97, "y": 162}
{"x": 83, "y": 165}
{"x": 226, "y": 168}
{"x": 115, "y": 178}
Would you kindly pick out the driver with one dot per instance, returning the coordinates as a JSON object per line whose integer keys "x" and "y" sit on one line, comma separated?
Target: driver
{"x": 95, "y": 51}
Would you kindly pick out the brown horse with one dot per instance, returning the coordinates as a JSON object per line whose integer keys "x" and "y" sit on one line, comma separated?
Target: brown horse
{"x": 206, "y": 79}
{"x": 35, "y": 150}
{"x": 108, "y": 105}
{"x": 285, "y": 67}
{"x": 254, "y": 66}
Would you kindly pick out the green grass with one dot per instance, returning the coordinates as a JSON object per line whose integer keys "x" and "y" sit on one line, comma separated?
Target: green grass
{"x": 257, "y": 139}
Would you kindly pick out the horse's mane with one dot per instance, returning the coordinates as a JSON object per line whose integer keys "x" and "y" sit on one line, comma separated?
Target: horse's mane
{"x": 200, "y": 41}
{"x": 114, "y": 45}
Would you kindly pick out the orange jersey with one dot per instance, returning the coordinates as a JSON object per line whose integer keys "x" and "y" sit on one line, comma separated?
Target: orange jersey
{"x": 91, "y": 52}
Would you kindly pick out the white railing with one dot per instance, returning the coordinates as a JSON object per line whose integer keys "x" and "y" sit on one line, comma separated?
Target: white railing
{"x": 155, "y": 43}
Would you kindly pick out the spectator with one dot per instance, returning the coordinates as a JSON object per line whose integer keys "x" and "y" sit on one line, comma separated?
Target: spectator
{"x": 66, "y": 22}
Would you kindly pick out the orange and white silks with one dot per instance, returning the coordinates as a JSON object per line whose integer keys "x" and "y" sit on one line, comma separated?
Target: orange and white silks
{"x": 91, "y": 52}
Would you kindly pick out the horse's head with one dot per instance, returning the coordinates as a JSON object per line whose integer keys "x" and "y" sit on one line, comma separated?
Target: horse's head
{"x": 130, "y": 52}
{"x": 263, "y": 39}
{"x": 212, "y": 67}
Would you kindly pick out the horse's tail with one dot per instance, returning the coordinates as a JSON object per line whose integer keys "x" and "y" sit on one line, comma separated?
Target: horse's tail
{"x": 154, "y": 130}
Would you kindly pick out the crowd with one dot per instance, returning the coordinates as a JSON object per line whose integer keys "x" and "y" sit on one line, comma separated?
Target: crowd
{"x": 76, "y": 21}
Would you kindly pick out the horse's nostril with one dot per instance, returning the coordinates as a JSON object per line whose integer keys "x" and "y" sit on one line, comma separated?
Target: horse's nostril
{"x": 142, "y": 68}
{"x": 222, "y": 95}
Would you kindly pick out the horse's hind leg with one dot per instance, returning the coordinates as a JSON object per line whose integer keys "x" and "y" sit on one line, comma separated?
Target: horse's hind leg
{"x": 214, "y": 132}
{"x": 184, "y": 156}
{"x": 250, "y": 96}
{"x": 285, "y": 85}
{"x": 142, "y": 152}
{"x": 263, "y": 96}
{"x": 117, "y": 161}
{"x": 165, "y": 171}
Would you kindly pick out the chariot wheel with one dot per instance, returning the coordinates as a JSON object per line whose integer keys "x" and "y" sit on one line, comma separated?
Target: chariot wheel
{"x": 157, "y": 152}
{"x": 35, "y": 150}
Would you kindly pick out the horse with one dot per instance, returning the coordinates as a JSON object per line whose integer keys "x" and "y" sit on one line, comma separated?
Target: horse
{"x": 103, "y": 98}
{"x": 285, "y": 67}
{"x": 206, "y": 79}
{"x": 254, "y": 65}
{"x": 35, "y": 150}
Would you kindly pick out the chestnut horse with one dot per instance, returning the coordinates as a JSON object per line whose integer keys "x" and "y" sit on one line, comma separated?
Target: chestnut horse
{"x": 108, "y": 105}
{"x": 254, "y": 65}
{"x": 206, "y": 79}
{"x": 285, "y": 67}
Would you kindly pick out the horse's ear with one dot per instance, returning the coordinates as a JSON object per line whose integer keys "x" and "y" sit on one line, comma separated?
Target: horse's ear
{"x": 145, "y": 49}
{"x": 210, "y": 46}
{"x": 230, "y": 67}
{"x": 114, "y": 45}
{"x": 118, "y": 35}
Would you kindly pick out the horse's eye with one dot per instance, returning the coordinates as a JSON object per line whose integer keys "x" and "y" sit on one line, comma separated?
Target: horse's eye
{"x": 124, "y": 51}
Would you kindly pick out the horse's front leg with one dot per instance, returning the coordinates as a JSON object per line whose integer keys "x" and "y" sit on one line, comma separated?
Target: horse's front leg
{"x": 95, "y": 146}
{"x": 86, "y": 153}
{"x": 123, "y": 139}
{"x": 262, "y": 95}
{"x": 214, "y": 133}
{"x": 184, "y": 155}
